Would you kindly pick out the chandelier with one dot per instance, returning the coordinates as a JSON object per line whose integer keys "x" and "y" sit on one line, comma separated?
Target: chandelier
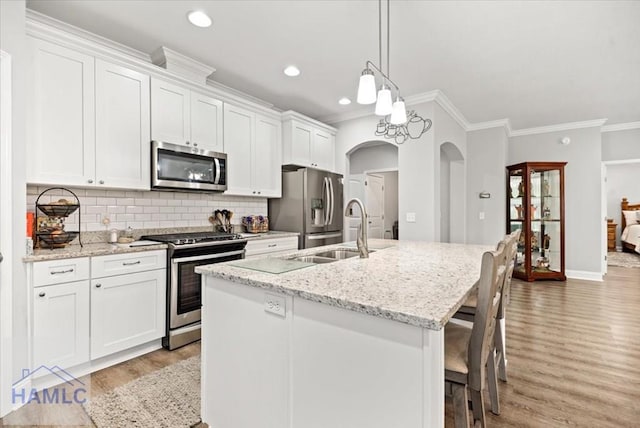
{"x": 395, "y": 124}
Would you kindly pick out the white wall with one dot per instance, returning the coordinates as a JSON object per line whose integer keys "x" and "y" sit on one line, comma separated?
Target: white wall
{"x": 12, "y": 41}
{"x": 621, "y": 145}
{"x": 623, "y": 181}
{"x": 375, "y": 158}
{"x": 486, "y": 162}
{"x": 583, "y": 216}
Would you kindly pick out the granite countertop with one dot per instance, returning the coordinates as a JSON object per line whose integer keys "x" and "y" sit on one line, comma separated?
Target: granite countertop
{"x": 87, "y": 250}
{"x": 418, "y": 283}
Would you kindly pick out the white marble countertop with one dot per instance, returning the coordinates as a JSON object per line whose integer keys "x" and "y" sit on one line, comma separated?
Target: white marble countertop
{"x": 418, "y": 283}
{"x": 87, "y": 250}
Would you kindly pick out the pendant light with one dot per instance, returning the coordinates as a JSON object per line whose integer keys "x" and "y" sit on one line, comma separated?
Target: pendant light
{"x": 394, "y": 124}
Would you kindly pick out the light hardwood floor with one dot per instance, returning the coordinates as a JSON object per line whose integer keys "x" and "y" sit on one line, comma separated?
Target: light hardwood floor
{"x": 573, "y": 356}
{"x": 573, "y": 353}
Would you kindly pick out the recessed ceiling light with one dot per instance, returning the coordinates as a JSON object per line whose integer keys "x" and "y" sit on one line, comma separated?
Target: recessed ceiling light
{"x": 344, "y": 101}
{"x": 292, "y": 71}
{"x": 199, "y": 19}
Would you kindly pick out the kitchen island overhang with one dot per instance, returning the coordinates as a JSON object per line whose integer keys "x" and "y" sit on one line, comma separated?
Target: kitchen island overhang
{"x": 354, "y": 343}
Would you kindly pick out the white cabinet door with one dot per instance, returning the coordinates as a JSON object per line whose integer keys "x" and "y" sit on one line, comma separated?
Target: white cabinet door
{"x": 127, "y": 310}
{"x": 122, "y": 127}
{"x": 61, "y": 324}
{"x": 302, "y": 141}
{"x": 267, "y": 157}
{"x": 206, "y": 122}
{"x": 322, "y": 155}
{"x": 239, "y": 127}
{"x": 61, "y": 131}
{"x": 169, "y": 112}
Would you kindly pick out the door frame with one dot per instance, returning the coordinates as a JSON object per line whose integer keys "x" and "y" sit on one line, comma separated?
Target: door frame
{"x": 379, "y": 171}
{"x": 6, "y": 283}
{"x": 366, "y": 200}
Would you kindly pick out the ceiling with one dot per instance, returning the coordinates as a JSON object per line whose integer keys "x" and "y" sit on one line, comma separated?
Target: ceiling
{"x": 535, "y": 63}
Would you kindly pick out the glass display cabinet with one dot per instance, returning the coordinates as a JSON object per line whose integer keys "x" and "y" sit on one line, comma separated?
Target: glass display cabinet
{"x": 535, "y": 204}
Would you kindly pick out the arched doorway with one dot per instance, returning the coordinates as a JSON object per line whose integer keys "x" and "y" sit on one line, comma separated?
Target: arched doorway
{"x": 371, "y": 175}
{"x": 452, "y": 194}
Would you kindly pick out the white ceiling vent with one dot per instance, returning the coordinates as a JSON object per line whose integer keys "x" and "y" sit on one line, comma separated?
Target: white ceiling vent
{"x": 181, "y": 65}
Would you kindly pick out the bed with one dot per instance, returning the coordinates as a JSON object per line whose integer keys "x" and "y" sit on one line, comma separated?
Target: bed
{"x": 630, "y": 236}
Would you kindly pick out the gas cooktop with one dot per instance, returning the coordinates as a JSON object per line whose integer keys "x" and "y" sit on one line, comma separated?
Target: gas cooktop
{"x": 192, "y": 237}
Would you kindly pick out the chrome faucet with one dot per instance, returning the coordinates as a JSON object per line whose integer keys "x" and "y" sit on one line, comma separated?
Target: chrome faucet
{"x": 361, "y": 241}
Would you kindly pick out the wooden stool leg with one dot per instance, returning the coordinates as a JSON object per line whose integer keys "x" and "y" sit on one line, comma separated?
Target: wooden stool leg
{"x": 477, "y": 404}
{"x": 501, "y": 349}
{"x": 493, "y": 384}
{"x": 460, "y": 409}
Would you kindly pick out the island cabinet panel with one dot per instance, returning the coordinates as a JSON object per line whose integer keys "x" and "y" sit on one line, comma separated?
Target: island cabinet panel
{"x": 246, "y": 378}
{"x": 363, "y": 368}
{"x": 298, "y": 363}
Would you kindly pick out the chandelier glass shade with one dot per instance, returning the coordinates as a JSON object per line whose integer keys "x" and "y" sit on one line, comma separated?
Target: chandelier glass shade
{"x": 396, "y": 124}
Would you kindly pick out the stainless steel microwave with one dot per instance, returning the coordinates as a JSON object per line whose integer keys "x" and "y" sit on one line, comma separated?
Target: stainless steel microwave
{"x": 175, "y": 167}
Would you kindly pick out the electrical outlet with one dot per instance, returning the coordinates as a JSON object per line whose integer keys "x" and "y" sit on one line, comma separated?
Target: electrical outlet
{"x": 481, "y": 216}
{"x": 411, "y": 217}
{"x": 275, "y": 305}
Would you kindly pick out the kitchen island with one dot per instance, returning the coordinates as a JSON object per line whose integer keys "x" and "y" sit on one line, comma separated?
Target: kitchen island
{"x": 353, "y": 343}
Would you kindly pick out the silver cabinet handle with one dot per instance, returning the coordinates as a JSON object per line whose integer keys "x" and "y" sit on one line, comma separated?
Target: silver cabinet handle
{"x": 187, "y": 143}
{"x": 58, "y": 272}
{"x": 272, "y": 245}
{"x": 259, "y": 192}
{"x": 195, "y": 144}
{"x": 42, "y": 294}
{"x": 254, "y": 192}
{"x": 90, "y": 181}
{"x": 98, "y": 285}
{"x": 131, "y": 263}
{"x": 101, "y": 181}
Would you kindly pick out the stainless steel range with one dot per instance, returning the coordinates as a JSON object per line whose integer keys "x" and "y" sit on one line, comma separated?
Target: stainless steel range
{"x": 186, "y": 252}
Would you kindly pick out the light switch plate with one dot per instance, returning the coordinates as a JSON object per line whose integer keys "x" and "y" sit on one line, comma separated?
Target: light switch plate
{"x": 411, "y": 217}
{"x": 481, "y": 216}
{"x": 275, "y": 305}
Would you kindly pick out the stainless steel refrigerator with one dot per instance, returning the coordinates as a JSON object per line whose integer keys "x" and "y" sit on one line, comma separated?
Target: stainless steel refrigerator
{"x": 311, "y": 205}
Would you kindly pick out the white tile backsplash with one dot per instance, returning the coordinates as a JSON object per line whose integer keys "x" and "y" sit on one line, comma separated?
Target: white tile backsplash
{"x": 137, "y": 209}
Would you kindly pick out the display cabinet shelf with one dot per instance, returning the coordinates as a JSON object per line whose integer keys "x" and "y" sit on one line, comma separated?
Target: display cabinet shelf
{"x": 535, "y": 204}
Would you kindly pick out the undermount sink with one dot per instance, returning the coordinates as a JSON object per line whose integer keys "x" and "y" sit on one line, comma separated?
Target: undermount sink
{"x": 339, "y": 254}
{"x": 328, "y": 256}
{"x": 314, "y": 259}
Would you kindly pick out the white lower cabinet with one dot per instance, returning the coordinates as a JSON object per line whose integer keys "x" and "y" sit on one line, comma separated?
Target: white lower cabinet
{"x": 61, "y": 324}
{"x": 126, "y": 310}
{"x": 272, "y": 246}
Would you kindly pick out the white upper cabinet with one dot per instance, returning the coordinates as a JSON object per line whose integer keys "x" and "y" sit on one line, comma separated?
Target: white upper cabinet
{"x": 61, "y": 131}
{"x": 182, "y": 116}
{"x": 170, "y": 114}
{"x": 122, "y": 127}
{"x": 206, "y": 122}
{"x": 307, "y": 142}
{"x": 89, "y": 121}
{"x": 253, "y": 146}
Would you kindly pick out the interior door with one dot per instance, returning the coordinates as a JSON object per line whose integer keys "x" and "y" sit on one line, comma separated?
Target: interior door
{"x": 374, "y": 204}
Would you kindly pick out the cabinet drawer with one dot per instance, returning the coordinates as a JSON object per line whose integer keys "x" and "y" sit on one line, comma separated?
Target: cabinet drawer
{"x": 266, "y": 246}
{"x": 60, "y": 271}
{"x": 118, "y": 264}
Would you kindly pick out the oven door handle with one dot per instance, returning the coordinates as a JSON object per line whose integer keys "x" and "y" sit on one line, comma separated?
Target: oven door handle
{"x": 216, "y": 179}
{"x": 206, "y": 256}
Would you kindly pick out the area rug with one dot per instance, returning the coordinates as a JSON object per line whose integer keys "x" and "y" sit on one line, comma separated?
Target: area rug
{"x": 169, "y": 397}
{"x": 623, "y": 259}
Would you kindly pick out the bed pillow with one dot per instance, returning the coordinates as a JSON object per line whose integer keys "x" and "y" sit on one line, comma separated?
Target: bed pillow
{"x": 630, "y": 217}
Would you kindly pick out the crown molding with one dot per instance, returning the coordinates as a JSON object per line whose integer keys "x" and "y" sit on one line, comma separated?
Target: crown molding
{"x": 500, "y": 123}
{"x": 294, "y": 115}
{"x": 621, "y": 127}
{"x": 39, "y": 24}
{"x": 224, "y": 88}
{"x": 451, "y": 109}
{"x": 181, "y": 64}
{"x": 559, "y": 127}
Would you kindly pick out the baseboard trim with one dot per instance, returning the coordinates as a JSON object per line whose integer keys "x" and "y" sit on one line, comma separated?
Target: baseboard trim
{"x": 584, "y": 275}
